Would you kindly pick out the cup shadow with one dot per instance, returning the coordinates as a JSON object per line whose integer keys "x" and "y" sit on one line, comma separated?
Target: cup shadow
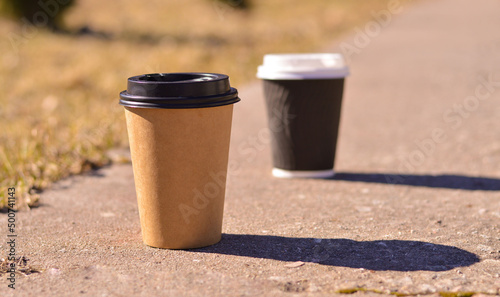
{"x": 380, "y": 255}
{"x": 447, "y": 181}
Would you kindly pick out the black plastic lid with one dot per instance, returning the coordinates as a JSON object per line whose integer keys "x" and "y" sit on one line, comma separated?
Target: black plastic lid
{"x": 178, "y": 90}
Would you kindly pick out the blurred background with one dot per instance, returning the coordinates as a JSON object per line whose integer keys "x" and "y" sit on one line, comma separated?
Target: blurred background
{"x": 63, "y": 64}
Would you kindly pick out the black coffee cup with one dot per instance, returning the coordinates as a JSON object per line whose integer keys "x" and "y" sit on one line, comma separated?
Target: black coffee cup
{"x": 303, "y": 94}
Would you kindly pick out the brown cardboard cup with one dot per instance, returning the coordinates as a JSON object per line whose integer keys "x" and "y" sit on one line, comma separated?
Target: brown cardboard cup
{"x": 180, "y": 158}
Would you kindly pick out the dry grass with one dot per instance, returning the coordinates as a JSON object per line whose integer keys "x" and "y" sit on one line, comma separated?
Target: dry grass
{"x": 59, "y": 93}
{"x": 21, "y": 266}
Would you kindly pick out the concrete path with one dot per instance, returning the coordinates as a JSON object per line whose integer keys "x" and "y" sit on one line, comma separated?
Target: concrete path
{"x": 414, "y": 209}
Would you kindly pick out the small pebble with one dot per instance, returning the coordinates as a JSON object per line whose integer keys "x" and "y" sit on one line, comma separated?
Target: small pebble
{"x": 294, "y": 264}
{"x": 107, "y": 214}
{"x": 363, "y": 208}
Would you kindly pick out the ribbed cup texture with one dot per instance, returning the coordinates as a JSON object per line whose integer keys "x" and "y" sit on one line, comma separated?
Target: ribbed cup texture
{"x": 304, "y": 120}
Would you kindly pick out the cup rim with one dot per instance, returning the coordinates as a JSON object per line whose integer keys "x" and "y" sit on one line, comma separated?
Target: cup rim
{"x": 169, "y": 78}
{"x": 178, "y": 90}
{"x": 303, "y": 66}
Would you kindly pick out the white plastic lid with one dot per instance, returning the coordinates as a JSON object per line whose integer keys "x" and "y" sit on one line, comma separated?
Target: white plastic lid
{"x": 303, "y": 66}
{"x": 282, "y": 173}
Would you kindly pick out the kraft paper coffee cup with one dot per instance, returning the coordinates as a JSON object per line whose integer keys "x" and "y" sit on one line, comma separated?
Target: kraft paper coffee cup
{"x": 179, "y": 127}
{"x": 303, "y": 94}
